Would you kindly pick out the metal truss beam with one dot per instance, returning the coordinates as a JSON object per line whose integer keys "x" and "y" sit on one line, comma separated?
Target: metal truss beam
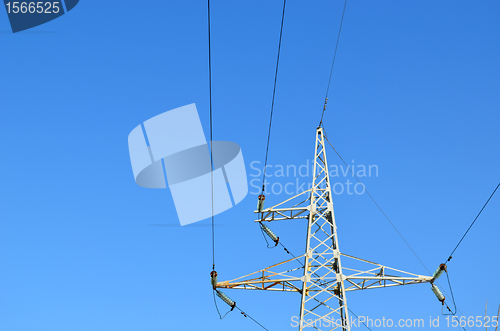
{"x": 289, "y": 281}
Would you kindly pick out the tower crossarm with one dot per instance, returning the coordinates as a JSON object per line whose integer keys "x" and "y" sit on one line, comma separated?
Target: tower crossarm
{"x": 269, "y": 279}
{"x": 377, "y": 276}
{"x": 281, "y": 214}
{"x": 373, "y": 275}
{"x": 300, "y": 210}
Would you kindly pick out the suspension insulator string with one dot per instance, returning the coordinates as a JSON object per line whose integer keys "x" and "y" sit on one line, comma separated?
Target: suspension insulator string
{"x": 215, "y": 301}
{"x": 438, "y": 293}
{"x": 213, "y": 279}
{"x": 260, "y": 202}
{"x": 226, "y": 299}
{"x": 270, "y": 234}
{"x": 439, "y": 271}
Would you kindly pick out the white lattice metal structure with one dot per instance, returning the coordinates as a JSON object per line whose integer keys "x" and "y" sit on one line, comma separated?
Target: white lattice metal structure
{"x": 319, "y": 276}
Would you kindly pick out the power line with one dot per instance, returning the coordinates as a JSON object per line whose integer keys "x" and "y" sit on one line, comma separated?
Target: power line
{"x": 358, "y": 319}
{"x": 333, "y": 63}
{"x": 250, "y": 317}
{"x": 473, "y": 223}
{"x": 274, "y": 94}
{"x": 211, "y": 155}
{"x": 455, "y": 315}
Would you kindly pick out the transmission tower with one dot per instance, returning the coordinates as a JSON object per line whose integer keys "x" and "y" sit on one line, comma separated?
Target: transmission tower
{"x": 320, "y": 278}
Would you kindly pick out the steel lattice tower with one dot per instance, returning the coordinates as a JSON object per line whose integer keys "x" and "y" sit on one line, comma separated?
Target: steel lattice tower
{"x": 320, "y": 278}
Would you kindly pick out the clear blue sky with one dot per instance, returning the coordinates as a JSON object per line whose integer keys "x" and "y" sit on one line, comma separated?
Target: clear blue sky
{"x": 415, "y": 92}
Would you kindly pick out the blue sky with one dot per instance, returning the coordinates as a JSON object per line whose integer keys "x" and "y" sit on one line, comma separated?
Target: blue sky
{"x": 414, "y": 92}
